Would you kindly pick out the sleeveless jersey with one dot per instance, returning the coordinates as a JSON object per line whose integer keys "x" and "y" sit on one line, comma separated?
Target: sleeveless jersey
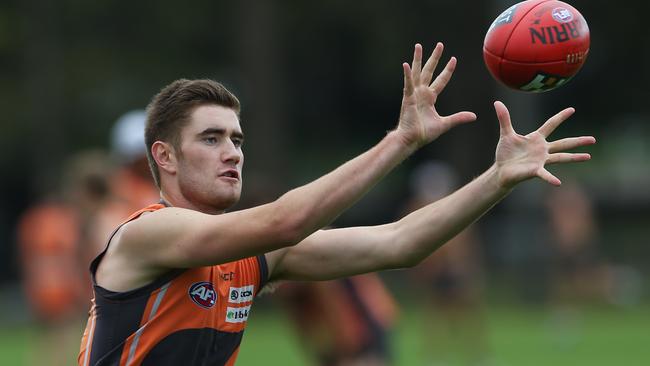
{"x": 191, "y": 316}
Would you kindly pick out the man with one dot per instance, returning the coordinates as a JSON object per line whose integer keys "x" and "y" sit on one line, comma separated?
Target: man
{"x": 129, "y": 180}
{"x": 450, "y": 281}
{"x": 342, "y": 322}
{"x": 52, "y": 242}
{"x": 176, "y": 282}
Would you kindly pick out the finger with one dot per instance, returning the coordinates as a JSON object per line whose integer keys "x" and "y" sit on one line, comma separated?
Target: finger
{"x": 570, "y": 143}
{"x": 408, "y": 80}
{"x": 567, "y": 158}
{"x": 551, "y": 124}
{"x": 431, "y": 64}
{"x": 417, "y": 63}
{"x": 441, "y": 81}
{"x": 458, "y": 118}
{"x": 547, "y": 176}
{"x": 505, "y": 125}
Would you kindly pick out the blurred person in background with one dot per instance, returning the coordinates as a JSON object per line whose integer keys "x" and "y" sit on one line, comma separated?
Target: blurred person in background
{"x": 579, "y": 275}
{"x": 575, "y": 259}
{"x": 342, "y": 322}
{"x": 451, "y": 279}
{"x": 130, "y": 181}
{"x": 176, "y": 283}
{"x": 60, "y": 236}
{"x": 54, "y": 257}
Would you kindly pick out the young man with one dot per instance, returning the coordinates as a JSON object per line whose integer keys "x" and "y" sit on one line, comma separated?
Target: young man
{"x": 176, "y": 282}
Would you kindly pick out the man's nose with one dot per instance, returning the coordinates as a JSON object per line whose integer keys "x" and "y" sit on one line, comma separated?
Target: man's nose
{"x": 231, "y": 153}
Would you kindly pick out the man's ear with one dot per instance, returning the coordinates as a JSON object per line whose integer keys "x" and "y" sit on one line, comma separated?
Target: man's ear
{"x": 165, "y": 156}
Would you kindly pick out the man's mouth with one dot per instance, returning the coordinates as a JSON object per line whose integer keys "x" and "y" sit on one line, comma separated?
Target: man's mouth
{"x": 231, "y": 173}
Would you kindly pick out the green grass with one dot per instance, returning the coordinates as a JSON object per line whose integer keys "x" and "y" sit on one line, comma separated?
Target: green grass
{"x": 14, "y": 345}
{"x": 593, "y": 337}
{"x": 515, "y": 335}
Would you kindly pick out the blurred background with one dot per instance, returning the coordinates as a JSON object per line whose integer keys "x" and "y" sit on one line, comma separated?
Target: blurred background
{"x": 550, "y": 276}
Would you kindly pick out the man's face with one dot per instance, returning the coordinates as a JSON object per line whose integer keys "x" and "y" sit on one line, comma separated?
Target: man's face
{"x": 211, "y": 159}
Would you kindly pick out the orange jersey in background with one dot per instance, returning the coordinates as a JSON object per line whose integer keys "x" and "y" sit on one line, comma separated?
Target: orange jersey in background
{"x": 48, "y": 235}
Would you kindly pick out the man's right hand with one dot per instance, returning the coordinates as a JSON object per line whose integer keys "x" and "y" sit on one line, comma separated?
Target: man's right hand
{"x": 419, "y": 121}
{"x": 519, "y": 157}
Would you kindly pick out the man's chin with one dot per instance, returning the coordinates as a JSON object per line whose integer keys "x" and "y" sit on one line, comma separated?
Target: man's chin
{"x": 223, "y": 203}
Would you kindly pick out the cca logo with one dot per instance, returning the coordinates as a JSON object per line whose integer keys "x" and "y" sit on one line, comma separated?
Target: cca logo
{"x": 203, "y": 294}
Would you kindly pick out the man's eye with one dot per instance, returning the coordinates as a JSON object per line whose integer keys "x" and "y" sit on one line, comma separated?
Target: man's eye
{"x": 210, "y": 140}
{"x": 238, "y": 142}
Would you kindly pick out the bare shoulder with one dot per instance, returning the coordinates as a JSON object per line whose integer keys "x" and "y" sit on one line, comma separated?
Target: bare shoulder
{"x": 145, "y": 240}
{"x": 173, "y": 238}
{"x": 165, "y": 219}
{"x": 160, "y": 224}
{"x": 132, "y": 258}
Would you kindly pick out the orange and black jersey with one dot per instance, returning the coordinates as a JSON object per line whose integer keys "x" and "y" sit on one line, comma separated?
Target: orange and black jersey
{"x": 191, "y": 316}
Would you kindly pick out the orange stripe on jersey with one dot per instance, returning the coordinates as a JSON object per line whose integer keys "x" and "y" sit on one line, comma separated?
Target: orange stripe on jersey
{"x": 149, "y": 208}
{"x": 128, "y": 358}
{"x": 86, "y": 340}
{"x": 233, "y": 358}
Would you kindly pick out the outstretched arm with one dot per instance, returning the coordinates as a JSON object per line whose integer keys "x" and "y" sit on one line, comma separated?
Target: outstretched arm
{"x": 342, "y": 252}
{"x": 179, "y": 238}
{"x": 419, "y": 124}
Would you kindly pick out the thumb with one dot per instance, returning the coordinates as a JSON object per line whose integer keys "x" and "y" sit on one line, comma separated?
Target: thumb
{"x": 458, "y": 118}
{"x": 505, "y": 125}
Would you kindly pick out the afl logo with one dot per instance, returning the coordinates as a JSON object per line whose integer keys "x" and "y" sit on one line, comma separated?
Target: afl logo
{"x": 203, "y": 294}
{"x": 562, "y": 15}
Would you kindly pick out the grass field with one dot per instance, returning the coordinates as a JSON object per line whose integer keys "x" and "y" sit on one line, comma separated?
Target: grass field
{"x": 516, "y": 335}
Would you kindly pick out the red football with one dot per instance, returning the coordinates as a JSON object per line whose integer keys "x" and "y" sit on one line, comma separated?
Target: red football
{"x": 536, "y": 45}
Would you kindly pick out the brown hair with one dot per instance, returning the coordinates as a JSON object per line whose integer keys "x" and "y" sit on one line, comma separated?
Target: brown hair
{"x": 170, "y": 110}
